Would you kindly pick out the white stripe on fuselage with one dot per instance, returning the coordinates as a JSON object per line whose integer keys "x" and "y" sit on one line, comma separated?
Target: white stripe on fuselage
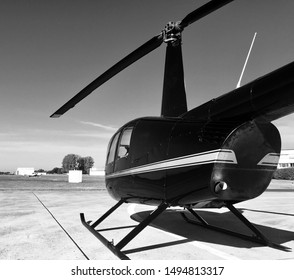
{"x": 271, "y": 159}
{"x": 214, "y": 156}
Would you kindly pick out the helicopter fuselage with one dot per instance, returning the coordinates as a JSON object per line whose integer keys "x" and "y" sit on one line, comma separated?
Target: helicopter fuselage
{"x": 153, "y": 160}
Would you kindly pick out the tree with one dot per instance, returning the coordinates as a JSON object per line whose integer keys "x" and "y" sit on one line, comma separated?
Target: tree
{"x": 70, "y": 162}
{"x": 89, "y": 163}
{"x": 55, "y": 170}
{"x": 76, "y": 162}
{"x": 85, "y": 163}
{"x": 40, "y": 170}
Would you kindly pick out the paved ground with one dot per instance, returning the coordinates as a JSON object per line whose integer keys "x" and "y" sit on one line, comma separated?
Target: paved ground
{"x": 30, "y": 231}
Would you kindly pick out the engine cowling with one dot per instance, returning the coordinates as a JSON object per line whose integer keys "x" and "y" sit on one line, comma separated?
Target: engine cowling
{"x": 257, "y": 149}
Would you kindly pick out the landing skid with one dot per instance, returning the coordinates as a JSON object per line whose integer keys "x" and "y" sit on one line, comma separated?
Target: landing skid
{"x": 117, "y": 249}
{"x": 258, "y": 237}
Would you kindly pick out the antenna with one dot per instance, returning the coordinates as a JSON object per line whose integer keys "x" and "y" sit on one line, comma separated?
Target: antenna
{"x": 239, "y": 82}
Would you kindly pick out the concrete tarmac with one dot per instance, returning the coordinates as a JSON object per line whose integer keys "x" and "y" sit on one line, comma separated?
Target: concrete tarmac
{"x": 45, "y": 225}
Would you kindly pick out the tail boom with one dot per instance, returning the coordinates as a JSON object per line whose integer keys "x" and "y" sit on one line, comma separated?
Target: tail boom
{"x": 268, "y": 98}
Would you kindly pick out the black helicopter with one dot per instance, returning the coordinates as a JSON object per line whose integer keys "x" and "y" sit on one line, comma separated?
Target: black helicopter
{"x": 215, "y": 155}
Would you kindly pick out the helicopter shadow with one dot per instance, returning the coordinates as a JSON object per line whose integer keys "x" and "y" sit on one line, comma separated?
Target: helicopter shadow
{"x": 172, "y": 222}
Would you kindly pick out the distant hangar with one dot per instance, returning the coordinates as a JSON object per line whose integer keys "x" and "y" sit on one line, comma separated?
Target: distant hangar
{"x": 25, "y": 171}
{"x": 286, "y": 159}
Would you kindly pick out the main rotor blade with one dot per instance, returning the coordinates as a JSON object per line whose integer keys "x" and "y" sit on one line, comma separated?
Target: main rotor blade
{"x": 146, "y": 48}
{"x": 203, "y": 11}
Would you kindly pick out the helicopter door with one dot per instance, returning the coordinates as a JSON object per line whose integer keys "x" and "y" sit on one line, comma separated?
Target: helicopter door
{"x": 111, "y": 154}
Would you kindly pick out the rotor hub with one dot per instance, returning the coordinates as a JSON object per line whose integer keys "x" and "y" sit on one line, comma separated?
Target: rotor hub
{"x": 172, "y": 33}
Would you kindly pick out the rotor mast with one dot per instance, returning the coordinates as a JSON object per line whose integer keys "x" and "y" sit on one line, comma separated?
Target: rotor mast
{"x": 174, "y": 101}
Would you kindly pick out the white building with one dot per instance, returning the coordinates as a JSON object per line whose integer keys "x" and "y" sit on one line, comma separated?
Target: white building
{"x": 286, "y": 159}
{"x": 96, "y": 172}
{"x": 25, "y": 171}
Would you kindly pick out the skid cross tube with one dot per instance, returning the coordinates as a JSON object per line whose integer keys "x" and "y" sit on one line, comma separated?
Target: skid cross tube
{"x": 102, "y": 218}
{"x": 153, "y": 215}
{"x": 116, "y": 249}
{"x": 258, "y": 238}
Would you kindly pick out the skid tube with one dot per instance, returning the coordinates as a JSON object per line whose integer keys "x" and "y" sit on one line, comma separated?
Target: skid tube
{"x": 116, "y": 249}
{"x": 258, "y": 237}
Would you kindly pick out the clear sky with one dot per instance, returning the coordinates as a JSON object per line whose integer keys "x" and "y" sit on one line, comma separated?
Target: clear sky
{"x": 50, "y": 50}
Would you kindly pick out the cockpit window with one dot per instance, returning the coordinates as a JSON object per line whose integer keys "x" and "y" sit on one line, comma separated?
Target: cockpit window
{"x": 124, "y": 144}
{"x": 112, "y": 149}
